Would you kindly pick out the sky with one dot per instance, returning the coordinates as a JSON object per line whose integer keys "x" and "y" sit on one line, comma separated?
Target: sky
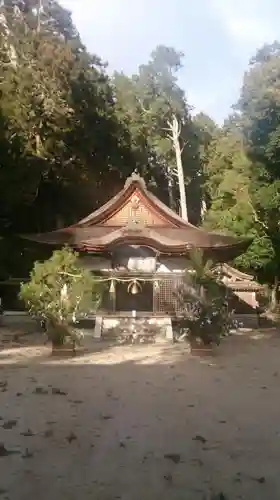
{"x": 218, "y": 38}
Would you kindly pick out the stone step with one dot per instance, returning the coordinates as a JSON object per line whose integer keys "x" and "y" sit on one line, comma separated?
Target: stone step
{"x": 247, "y": 320}
{"x": 136, "y": 328}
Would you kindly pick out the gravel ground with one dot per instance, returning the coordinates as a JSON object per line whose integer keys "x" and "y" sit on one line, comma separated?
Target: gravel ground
{"x": 140, "y": 422}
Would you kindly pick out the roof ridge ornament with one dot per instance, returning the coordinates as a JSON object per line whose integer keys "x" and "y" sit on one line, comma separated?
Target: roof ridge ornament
{"x": 135, "y": 177}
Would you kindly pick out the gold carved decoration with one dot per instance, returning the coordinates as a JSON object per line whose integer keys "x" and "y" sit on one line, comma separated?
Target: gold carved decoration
{"x": 135, "y": 209}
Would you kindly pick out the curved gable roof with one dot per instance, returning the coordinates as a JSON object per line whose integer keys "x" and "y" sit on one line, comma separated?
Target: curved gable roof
{"x": 134, "y": 184}
{"x": 165, "y": 230}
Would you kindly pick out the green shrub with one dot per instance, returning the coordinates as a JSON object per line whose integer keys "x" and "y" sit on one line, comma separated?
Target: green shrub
{"x": 205, "y": 316}
{"x": 58, "y": 290}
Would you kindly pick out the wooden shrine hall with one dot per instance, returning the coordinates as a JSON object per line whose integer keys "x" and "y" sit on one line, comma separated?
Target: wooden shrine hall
{"x": 141, "y": 246}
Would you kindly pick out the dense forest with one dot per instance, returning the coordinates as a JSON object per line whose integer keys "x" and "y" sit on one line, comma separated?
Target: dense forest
{"x": 65, "y": 124}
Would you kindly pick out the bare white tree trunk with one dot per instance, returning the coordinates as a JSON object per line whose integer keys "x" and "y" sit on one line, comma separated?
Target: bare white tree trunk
{"x": 203, "y": 208}
{"x": 175, "y": 131}
{"x": 39, "y": 9}
{"x": 172, "y": 203}
{"x": 274, "y": 295}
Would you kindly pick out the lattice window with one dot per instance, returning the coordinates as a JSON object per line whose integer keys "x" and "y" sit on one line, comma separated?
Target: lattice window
{"x": 166, "y": 295}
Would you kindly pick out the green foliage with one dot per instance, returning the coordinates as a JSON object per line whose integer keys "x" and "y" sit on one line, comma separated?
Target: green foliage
{"x": 67, "y": 129}
{"x": 260, "y": 117}
{"x": 205, "y": 130}
{"x": 202, "y": 269}
{"x": 206, "y": 319}
{"x": 64, "y": 125}
{"x": 242, "y": 168}
{"x": 59, "y": 289}
{"x": 236, "y": 198}
{"x": 59, "y": 133}
{"x": 145, "y": 104}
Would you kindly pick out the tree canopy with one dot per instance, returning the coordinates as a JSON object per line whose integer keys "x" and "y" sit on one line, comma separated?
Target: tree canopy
{"x": 65, "y": 124}
{"x": 242, "y": 167}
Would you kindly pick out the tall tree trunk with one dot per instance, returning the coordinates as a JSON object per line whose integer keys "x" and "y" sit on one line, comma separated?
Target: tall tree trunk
{"x": 39, "y": 8}
{"x": 175, "y": 136}
{"x": 274, "y": 295}
{"x": 172, "y": 203}
{"x": 203, "y": 208}
{"x": 181, "y": 181}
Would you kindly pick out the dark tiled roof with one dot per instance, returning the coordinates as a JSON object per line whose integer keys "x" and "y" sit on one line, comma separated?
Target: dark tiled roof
{"x": 177, "y": 236}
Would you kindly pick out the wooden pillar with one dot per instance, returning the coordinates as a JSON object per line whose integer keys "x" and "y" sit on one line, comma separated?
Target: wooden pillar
{"x": 114, "y": 299}
{"x": 155, "y": 295}
{"x": 202, "y": 291}
{"x": 112, "y": 295}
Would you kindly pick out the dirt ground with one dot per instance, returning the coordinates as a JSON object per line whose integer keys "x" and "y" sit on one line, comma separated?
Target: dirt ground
{"x": 141, "y": 422}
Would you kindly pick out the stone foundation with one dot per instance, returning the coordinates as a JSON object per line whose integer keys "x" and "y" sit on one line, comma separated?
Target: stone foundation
{"x": 142, "y": 329}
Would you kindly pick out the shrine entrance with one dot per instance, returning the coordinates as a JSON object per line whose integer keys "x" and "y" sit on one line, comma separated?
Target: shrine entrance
{"x": 142, "y": 301}
{"x": 155, "y": 295}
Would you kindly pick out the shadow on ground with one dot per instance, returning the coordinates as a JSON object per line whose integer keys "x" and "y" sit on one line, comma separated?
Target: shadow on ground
{"x": 141, "y": 422}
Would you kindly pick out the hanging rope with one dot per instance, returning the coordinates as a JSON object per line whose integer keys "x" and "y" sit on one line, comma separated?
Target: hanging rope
{"x": 119, "y": 280}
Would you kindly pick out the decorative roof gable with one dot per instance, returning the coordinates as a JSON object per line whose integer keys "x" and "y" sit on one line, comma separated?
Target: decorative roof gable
{"x": 137, "y": 210}
{"x": 134, "y": 201}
